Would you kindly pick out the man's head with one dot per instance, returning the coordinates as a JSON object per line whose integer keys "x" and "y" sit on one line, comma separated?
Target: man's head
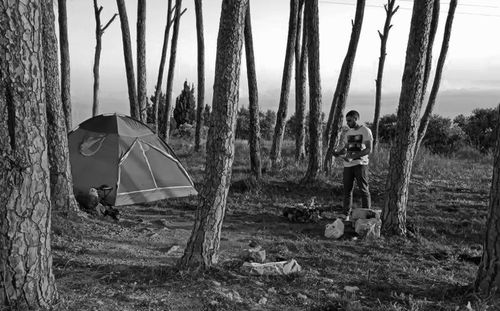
{"x": 352, "y": 118}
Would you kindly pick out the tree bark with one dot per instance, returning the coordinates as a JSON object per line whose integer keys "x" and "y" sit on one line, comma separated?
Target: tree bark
{"x": 201, "y": 73}
{"x": 402, "y": 152}
{"x": 253, "y": 107}
{"x": 432, "y": 35}
{"x": 142, "y": 95}
{"x": 300, "y": 86}
{"x": 424, "y": 122}
{"x": 390, "y": 11}
{"x": 61, "y": 181}
{"x": 129, "y": 63}
{"x": 311, "y": 21}
{"x": 488, "y": 277}
{"x": 203, "y": 246}
{"x": 65, "y": 63}
{"x": 25, "y": 213}
{"x": 99, "y": 31}
{"x": 163, "y": 58}
{"x": 279, "y": 128}
{"x": 165, "y": 124}
{"x": 336, "y": 116}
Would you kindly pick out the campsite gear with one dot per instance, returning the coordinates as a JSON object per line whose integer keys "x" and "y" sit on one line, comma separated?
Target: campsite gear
{"x": 301, "y": 213}
{"x": 334, "y": 230}
{"x": 121, "y": 153}
{"x": 365, "y": 213}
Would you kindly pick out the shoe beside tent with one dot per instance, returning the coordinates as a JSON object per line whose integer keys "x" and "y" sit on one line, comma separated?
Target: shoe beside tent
{"x": 123, "y": 153}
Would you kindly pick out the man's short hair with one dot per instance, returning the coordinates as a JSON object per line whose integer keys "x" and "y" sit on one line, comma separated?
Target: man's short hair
{"x": 353, "y": 113}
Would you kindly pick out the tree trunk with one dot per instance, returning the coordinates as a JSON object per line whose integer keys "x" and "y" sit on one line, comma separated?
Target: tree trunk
{"x": 253, "y": 107}
{"x": 61, "y": 181}
{"x": 488, "y": 277}
{"x": 203, "y": 246}
{"x": 390, "y": 11}
{"x": 142, "y": 95}
{"x": 65, "y": 63}
{"x": 300, "y": 87}
{"x": 25, "y": 213}
{"x": 201, "y": 73}
{"x": 336, "y": 116}
{"x": 99, "y": 30}
{"x": 97, "y": 58}
{"x": 279, "y": 128}
{"x": 165, "y": 124}
{"x": 432, "y": 35}
{"x": 402, "y": 152}
{"x": 164, "y": 50}
{"x": 311, "y": 21}
{"x": 424, "y": 122}
{"x": 129, "y": 63}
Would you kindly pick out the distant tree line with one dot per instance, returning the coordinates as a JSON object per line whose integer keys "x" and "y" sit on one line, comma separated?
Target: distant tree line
{"x": 446, "y": 136}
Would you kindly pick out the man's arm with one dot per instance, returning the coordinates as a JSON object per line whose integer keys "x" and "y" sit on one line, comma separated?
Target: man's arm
{"x": 340, "y": 152}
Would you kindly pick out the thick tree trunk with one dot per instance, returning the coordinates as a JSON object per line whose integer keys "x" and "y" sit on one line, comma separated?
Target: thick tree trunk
{"x": 253, "y": 107}
{"x": 390, "y": 11}
{"x": 336, "y": 116}
{"x": 488, "y": 277}
{"x": 25, "y": 213}
{"x": 142, "y": 95}
{"x": 300, "y": 87}
{"x": 424, "y": 122}
{"x": 203, "y": 246}
{"x": 279, "y": 128}
{"x": 163, "y": 58}
{"x": 402, "y": 152}
{"x": 61, "y": 181}
{"x": 165, "y": 124}
{"x": 65, "y": 63}
{"x": 311, "y": 21}
{"x": 129, "y": 63}
{"x": 201, "y": 73}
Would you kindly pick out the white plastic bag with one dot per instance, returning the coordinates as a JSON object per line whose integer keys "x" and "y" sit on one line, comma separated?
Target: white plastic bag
{"x": 335, "y": 230}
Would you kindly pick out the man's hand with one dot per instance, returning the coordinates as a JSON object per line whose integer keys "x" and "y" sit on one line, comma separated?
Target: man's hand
{"x": 337, "y": 153}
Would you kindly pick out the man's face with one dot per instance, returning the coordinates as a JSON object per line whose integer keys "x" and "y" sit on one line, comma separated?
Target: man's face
{"x": 351, "y": 121}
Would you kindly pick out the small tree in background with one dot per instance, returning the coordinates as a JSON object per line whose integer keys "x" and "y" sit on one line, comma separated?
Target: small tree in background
{"x": 185, "y": 105}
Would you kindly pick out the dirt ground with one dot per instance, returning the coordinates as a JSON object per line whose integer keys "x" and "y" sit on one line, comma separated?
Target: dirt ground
{"x": 101, "y": 264}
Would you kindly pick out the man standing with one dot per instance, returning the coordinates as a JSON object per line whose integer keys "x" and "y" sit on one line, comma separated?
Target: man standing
{"x": 357, "y": 146}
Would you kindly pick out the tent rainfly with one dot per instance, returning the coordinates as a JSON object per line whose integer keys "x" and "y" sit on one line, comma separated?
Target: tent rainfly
{"x": 125, "y": 155}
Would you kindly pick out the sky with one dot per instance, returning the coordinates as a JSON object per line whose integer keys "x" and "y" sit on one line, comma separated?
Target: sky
{"x": 471, "y": 77}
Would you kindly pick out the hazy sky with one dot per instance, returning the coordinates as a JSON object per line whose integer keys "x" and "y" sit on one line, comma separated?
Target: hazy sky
{"x": 471, "y": 77}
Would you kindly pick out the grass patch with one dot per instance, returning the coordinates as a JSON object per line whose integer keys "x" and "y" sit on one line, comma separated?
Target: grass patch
{"x": 130, "y": 265}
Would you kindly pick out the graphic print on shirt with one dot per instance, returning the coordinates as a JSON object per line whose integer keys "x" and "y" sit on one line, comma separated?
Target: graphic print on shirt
{"x": 354, "y": 142}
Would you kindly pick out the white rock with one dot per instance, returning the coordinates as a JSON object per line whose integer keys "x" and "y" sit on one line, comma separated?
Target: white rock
{"x": 302, "y": 296}
{"x": 272, "y": 268}
{"x": 368, "y": 228}
{"x": 365, "y": 213}
{"x": 272, "y": 290}
{"x": 263, "y": 301}
{"x": 351, "y": 289}
{"x": 334, "y": 230}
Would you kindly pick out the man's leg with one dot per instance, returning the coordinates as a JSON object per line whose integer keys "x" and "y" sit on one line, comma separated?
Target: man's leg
{"x": 361, "y": 174}
{"x": 348, "y": 186}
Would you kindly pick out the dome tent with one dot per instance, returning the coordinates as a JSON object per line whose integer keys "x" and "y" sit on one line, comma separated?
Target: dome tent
{"x": 124, "y": 154}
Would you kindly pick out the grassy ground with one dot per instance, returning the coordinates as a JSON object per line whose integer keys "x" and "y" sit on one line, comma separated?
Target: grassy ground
{"x": 130, "y": 264}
